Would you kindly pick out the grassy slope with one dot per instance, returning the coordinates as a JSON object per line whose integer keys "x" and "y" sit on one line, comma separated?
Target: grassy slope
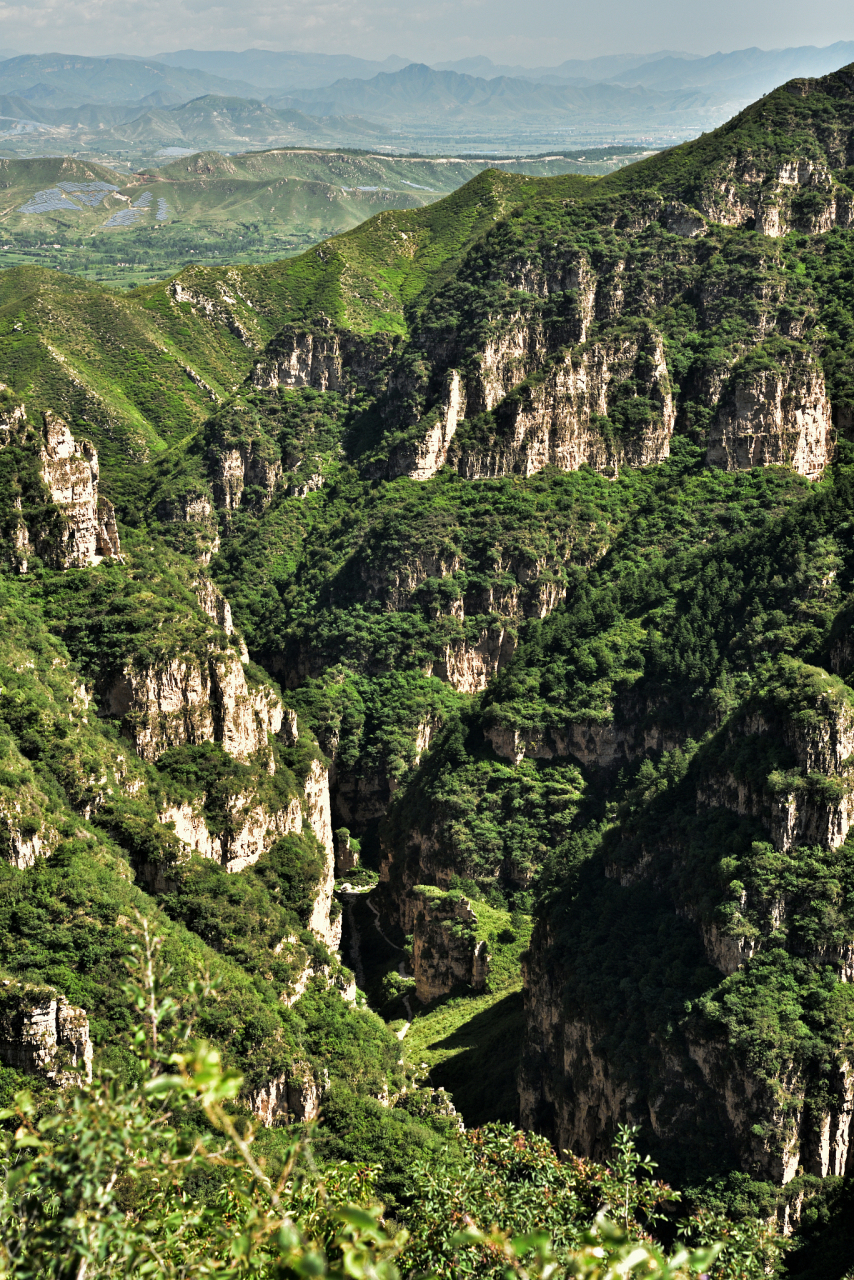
{"x": 118, "y": 363}
{"x": 788, "y": 124}
{"x": 255, "y": 207}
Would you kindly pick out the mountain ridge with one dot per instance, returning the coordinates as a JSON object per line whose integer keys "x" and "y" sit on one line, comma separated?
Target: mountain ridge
{"x": 496, "y": 556}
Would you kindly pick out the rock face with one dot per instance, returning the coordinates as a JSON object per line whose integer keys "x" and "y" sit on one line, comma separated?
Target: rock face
{"x": 594, "y": 744}
{"x": 292, "y": 1097}
{"x": 323, "y": 357}
{"x": 430, "y": 453}
{"x": 233, "y": 469}
{"x": 570, "y": 1090}
{"x": 214, "y": 604}
{"x": 326, "y": 921}
{"x": 23, "y": 833}
{"x": 694, "y": 1078}
{"x": 468, "y": 667}
{"x": 549, "y": 408}
{"x": 346, "y": 852}
{"x": 192, "y": 700}
{"x": 779, "y": 417}
{"x": 251, "y": 830}
{"x": 87, "y": 532}
{"x": 772, "y": 195}
{"x": 445, "y": 948}
{"x": 558, "y": 421}
{"x": 40, "y": 1032}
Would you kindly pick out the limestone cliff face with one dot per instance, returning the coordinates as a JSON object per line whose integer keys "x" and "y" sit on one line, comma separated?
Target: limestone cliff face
{"x": 86, "y": 532}
{"x": 548, "y": 407}
{"x": 570, "y": 1090}
{"x": 213, "y": 603}
{"x": 291, "y": 1097}
{"x": 235, "y": 468}
{"x": 346, "y": 852}
{"x": 24, "y": 833}
{"x": 632, "y": 731}
{"x": 40, "y": 1032}
{"x": 813, "y": 803}
{"x": 421, "y": 864}
{"x": 193, "y": 699}
{"x": 326, "y": 920}
{"x": 770, "y": 195}
{"x": 427, "y": 455}
{"x": 323, "y": 357}
{"x": 780, "y": 417}
{"x": 694, "y": 1078}
{"x": 555, "y": 421}
{"x": 445, "y": 948}
{"x": 251, "y": 829}
{"x": 467, "y": 666}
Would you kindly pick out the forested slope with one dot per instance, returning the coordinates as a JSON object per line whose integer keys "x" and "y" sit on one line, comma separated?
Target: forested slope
{"x": 533, "y": 510}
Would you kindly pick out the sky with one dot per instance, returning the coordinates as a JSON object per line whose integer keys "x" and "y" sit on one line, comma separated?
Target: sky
{"x": 531, "y": 32}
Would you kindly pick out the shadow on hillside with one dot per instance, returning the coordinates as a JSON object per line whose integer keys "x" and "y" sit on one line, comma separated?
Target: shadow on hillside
{"x": 482, "y": 1076}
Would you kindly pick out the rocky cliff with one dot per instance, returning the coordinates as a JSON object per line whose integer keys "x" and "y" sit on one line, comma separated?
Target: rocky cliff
{"x": 290, "y": 1098}
{"x": 779, "y": 416}
{"x": 774, "y": 785}
{"x": 445, "y": 948}
{"x": 41, "y": 1032}
{"x": 323, "y": 357}
{"x": 326, "y": 920}
{"x": 571, "y": 1089}
{"x": 202, "y": 697}
{"x": 250, "y": 829}
{"x": 67, "y": 522}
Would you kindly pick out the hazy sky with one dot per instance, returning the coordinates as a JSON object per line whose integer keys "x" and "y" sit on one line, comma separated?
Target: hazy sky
{"x": 527, "y": 31}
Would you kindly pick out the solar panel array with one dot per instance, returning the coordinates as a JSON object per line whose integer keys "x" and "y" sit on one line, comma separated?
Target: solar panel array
{"x": 143, "y": 202}
{"x": 89, "y": 193}
{"x": 124, "y": 218}
{"x": 162, "y": 210}
{"x": 48, "y": 201}
{"x": 55, "y": 199}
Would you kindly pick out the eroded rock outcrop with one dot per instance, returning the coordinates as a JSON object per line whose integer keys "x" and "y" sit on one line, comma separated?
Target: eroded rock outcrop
{"x": 445, "y": 948}
{"x": 468, "y": 667}
{"x": 326, "y": 920}
{"x": 323, "y": 357}
{"x": 250, "y": 830}
{"x": 775, "y": 778}
{"x": 192, "y": 700}
{"x": 549, "y": 408}
{"x": 570, "y": 1089}
{"x": 778, "y": 416}
{"x": 86, "y": 531}
{"x": 429, "y": 454}
{"x": 40, "y": 1032}
{"x": 558, "y": 420}
{"x": 292, "y": 1097}
{"x": 247, "y": 463}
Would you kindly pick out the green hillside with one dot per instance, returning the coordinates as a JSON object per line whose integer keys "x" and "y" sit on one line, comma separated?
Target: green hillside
{"x": 450, "y": 653}
{"x": 209, "y": 207}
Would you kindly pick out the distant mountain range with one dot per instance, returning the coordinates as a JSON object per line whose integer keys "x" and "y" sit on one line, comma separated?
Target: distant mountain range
{"x": 423, "y": 96}
{"x": 212, "y": 120}
{"x": 62, "y": 80}
{"x": 195, "y": 97}
{"x": 270, "y": 70}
